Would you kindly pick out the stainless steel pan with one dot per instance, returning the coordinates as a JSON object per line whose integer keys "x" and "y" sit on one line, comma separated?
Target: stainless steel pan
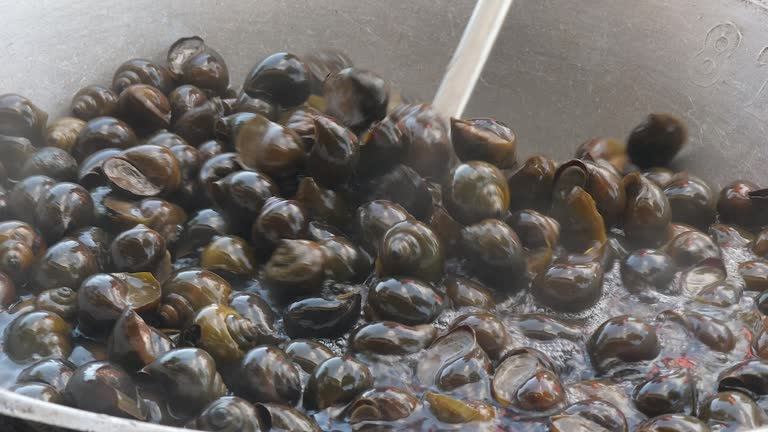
{"x": 562, "y": 71}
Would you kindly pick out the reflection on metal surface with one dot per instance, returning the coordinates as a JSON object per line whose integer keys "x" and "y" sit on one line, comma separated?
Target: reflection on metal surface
{"x": 721, "y": 42}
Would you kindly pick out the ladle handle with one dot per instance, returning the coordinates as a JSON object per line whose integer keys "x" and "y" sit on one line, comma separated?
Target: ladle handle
{"x": 469, "y": 58}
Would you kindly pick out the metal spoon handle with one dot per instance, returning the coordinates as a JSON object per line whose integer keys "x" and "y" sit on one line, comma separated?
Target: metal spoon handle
{"x": 470, "y": 56}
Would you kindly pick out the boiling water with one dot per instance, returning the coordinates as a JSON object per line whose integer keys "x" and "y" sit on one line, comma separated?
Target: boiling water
{"x": 678, "y": 348}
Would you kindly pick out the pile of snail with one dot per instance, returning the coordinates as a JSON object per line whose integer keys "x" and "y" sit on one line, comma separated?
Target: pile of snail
{"x": 309, "y": 253}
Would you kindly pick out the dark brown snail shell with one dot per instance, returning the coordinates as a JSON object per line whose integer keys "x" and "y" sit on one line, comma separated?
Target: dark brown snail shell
{"x": 404, "y": 186}
{"x": 458, "y": 412}
{"x": 267, "y": 374}
{"x": 391, "y": 338}
{"x": 494, "y": 253}
{"x": 334, "y": 155}
{"x": 582, "y": 226}
{"x": 134, "y": 344}
{"x": 155, "y": 213}
{"x": 691, "y": 248}
{"x": 734, "y": 204}
{"x": 648, "y": 213}
{"x": 611, "y": 150}
{"x": 755, "y": 275}
{"x": 196, "y": 125}
{"x": 242, "y": 194}
{"x": 7, "y": 290}
{"x": 279, "y": 219}
{"x": 187, "y": 291}
{"x": 599, "y": 413}
{"x": 734, "y": 410}
{"x": 410, "y": 248}
{"x": 184, "y": 98}
{"x": 193, "y": 62}
{"x": 26, "y": 194}
{"x": 373, "y": 219}
{"x": 466, "y": 292}
{"x": 53, "y": 162}
{"x": 223, "y": 333}
{"x": 659, "y": 175}
{"x": 666, "y": 393}
{"x": 225, "y": 128}
{"x": 646, "y": 269}
{"x": 284, "y": 418}
{"x": 139, "y": 249}
{"x": 199, "y": 230}
{"x": 297, "y": 267}
{"x": 102, "y": 298}
{"x": 621, "y": 340}
{"x": 19, "y": 117}
{"x": 322, "y": 63}
{"x": 721, "y": 294}
{"x": 20, "y": 248}
{"x": 535, "y": 229}
{"x": 229, "y": 414}
{"x": 602, "y": 184}
{"x": 324, "y": 205}
{"x": 454, "y": 362}
{"x": 64, "y": 208}
{"x": 530, "y": 186}
{"x": 140, "y": 71}
{"x": 381, "y": 404}
{"x": 144, "y": 108}
{"x": 269, "y": 147}
{"x": 54, "y": 372}
{"x": 337, "y": 380}
{"x": 62, "y": 301}
{"x": 308, "y": 354}
{"x": 189, "y": 377}
{"x": 322, "y": 318}
{"x": 102, "y": 133}
{"x": 381, "y": 148}
{"x": 66, "y": 263}
{"x": 94, "y": 101}
{"x": 90, "y": 174}
{"x": 427, "y": 142}
{"x": 761, "y": 244}
{"x": 356, "y": 97}
{"x": 407, "y": 301}
{"x": 490, "y": 333}
{"x": 105, "y": 388}
{"x": 281, "y": 77}
{"x": 691, "y": 199}
{"x": 247, "y": 104}
{"x": 253, "y": 308}
{"x": 144, "y": 171}
{"x": 343, "y": 260}
{"x": 477, "y": 191}
{"x": 216, "y": 168}
{"x": 570, "y": 287}
{"x": 229, "y": 255}
{"x": 484, "y": 139}
{"x": 16, "y": 152}
{"x": 656, "y": 140}
{"x": 525, "y": 382}
{"x": 35, "y": 335}
{"x": 712, "y": 332}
